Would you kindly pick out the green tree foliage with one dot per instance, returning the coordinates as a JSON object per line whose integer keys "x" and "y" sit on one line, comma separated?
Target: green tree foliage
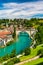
{"x": 16, "y": 60}
{"x": 9, "y": 63}
{"x": 13, "y": 54}
{"x": 13, "y": 61}
{"x": 14, "y": 33}
{"x": 40, "y": 52}
{"x": 27, "y": 51}
{"x": 40, "y": 63}
{"x": 39, "y": 35}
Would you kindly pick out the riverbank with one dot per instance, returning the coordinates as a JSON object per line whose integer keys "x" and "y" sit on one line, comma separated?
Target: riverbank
{"x": 26, "y": 61}
{"x": 28, "y": 57}
{"x": 9, "y": 43}
{"x": 19, "y": 45}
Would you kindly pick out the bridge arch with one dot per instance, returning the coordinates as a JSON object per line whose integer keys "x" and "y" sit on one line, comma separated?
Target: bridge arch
{"x": 30, "y": 32}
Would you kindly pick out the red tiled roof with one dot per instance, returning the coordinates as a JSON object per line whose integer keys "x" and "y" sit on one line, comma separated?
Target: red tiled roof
{"x": 4, "y": 33}
{"x": 3, "y": 36}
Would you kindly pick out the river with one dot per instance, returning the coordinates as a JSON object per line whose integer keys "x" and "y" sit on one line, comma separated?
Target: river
{"x": 23, "y": 41}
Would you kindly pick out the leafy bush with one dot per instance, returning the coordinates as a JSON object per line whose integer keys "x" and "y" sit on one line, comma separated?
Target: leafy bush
{"x": 27, "y": 51}
{"x": 9, "y": 63}
{"x": 13, "y": 61}
{"x": 16, "y": 60}
{"x": 6, "y": 57}
{"x": 40, "y": 52}
{"x": 40, "y": 63}
{"x": 13, "y": 54}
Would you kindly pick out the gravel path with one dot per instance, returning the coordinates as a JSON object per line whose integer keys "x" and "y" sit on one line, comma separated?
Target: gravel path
{"x": 28, "y": 60}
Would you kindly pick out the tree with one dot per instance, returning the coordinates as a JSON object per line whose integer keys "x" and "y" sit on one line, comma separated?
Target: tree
{"x": 13, "y": 54}
{"x": 39, "y": 35}
{"x": 40, "y": 63}
{"x": 16, "y": 60}
{"x": 14, "y": 33}
{"x": 27, "y": 51}
{"x": 9, "y": 63}
{"x": 40, "y": 52}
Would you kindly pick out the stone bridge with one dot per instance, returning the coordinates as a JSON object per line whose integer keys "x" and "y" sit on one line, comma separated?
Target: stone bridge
{"x": 29, "y": 31}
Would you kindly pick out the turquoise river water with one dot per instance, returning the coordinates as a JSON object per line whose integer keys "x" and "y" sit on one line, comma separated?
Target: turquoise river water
{"x": 23, "y": 41}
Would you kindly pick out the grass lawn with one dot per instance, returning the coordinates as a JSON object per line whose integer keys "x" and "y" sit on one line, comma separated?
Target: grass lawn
{"x": 34, "y": 62}
{"x": 33, "y": 53}
{"x": 41, "y": 21}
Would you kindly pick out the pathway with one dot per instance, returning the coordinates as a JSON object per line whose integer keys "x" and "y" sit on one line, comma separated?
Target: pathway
{"x": 28, "y": 60}
{"x": 22, "y": 61}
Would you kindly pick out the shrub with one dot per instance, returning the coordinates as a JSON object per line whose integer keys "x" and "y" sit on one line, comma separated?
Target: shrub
{"x": 16, "y": 60}
{"x": 13, "y": 54}
{"x": 27, "y": 51}
{"x": 6, "y": 57}
{"x": 40, "y": 52}
{"x": 9, "y": 63}
{"x": 40, "y": 63}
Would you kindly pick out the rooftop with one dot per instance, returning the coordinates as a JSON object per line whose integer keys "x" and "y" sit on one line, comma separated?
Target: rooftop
{"x": 3, "y": 33}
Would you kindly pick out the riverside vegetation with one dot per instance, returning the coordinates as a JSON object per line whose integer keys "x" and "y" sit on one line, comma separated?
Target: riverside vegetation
{"x": 28, "y": 52}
